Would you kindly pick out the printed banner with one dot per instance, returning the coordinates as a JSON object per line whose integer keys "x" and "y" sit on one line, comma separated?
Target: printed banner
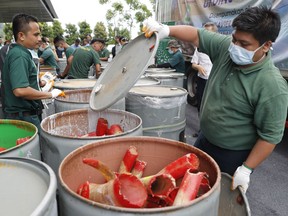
{"x": 222, "y": 13}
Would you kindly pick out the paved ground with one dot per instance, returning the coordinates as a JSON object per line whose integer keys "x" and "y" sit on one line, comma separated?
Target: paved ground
{"x": 268, "y": 191}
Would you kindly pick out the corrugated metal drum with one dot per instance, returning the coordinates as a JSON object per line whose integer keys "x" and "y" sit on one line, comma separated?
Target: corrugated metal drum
{"x": 49, "y": 107}
{"x": 144, "y": 81}
{"x": 62, "y": 132}
{"x": 162, "y": 109}
{"x": 172, "y": 79}
{"x": 159, "y": 70}
{"x": 157, "y": 152}
{"x": 28, "y": 187}
{"x": 62, "y": 63}
{"x": 11, "y": 130}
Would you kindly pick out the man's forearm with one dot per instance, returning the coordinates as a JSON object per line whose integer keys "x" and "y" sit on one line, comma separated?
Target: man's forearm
{"x": 259, "y": 153}
{"x": 29, "y": 93}
{"x": 185, "y": 33}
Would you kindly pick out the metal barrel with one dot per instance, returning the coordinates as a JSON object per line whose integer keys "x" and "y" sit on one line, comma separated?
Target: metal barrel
{"x": 79, "y": 99}
{"x": 157, "y": 152}
{"x": 11, "y": 130}
{"x": 62, "y": 63}
{"x": 169, "y": 79}
{"x": 61, "y": 133}
{"x": 147, "y": 81}
{"x": 28, "y": 187}
{"x": 162, "y": 109}
{"x": 49, "y": 107}
{"x": 232, "y": 202}
{"x": 72, "y": 84}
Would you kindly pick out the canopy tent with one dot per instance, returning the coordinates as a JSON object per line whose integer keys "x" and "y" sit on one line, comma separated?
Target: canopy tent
{"x": 42, "y": 9}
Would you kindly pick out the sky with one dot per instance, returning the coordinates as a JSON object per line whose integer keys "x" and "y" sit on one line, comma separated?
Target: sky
{"x": 90, "y": 10}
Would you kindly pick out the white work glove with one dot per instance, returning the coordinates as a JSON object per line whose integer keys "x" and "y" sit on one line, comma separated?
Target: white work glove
{"x": 241, "y": 178}
{"x": 48, "y": 86}
{"x": 47, "y": 77}
{"x": 56, "y": 92}
{"x": 150, "y": 26}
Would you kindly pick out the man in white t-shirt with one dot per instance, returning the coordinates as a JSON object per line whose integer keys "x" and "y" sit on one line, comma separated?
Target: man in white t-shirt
{"x": 202, "y": 63}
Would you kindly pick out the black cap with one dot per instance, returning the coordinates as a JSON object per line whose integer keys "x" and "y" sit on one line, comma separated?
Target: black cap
{"x": 97, "y": 40}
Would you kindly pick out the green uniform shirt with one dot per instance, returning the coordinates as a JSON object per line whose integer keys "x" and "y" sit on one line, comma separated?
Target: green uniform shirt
{"x": 83, "y": 58}
{"x": 240, "y": 105}
{"x": 177, "y": 62}
{"x": 19, "y": 71}
{"x": 68, "y": 52}
{"x": 104, "y": 53}
{"x": 49, "y": 58}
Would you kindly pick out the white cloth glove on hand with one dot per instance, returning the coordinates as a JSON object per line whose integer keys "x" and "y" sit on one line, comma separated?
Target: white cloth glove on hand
{"x": 150, "y": 26}
{"x": 241, "y": 178}
{"x": 48, "y": 86}
{"x": 56, "y": 92}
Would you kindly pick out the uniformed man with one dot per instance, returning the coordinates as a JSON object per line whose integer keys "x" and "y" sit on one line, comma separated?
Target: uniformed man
{"x": 60, "y": 43}
{"x": 46, "y": 56}
{"x": 20, "y": 84}
{"x": 82, "y": 59}
{"x": 103, "y": 53}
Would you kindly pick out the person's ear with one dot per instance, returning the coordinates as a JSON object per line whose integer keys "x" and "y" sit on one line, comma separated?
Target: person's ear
{"x": 267, "y": 46}
{"x": 21, "y": 36}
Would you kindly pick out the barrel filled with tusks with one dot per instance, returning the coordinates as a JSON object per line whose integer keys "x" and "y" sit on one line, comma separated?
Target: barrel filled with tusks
{"x": 89, "y": 185}
{"x": 66, "y": 131}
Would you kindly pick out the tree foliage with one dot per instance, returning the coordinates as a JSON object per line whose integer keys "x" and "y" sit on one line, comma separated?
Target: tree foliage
{"x": 46, "y": 30}
{"x": 84, "y": 29}
{"x": 126, "y": 15}
{"x": 100, "y": 31}
{"x": 71, "y": 33}
{"x": 8, "y": 31}
{"x": 57, "y": 29}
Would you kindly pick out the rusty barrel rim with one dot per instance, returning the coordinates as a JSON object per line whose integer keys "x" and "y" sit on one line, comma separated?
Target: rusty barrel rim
{"x": 197, "y": 151}
{"x": 78, "y": 111}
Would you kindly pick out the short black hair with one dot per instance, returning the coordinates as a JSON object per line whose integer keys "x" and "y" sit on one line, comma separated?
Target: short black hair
{"x": 123, "y": 39}
{"x": 97, "y": 40}
{"x": 263, "y": 23}
{"x": 20, "y": 23}
{"x": 77, "y": 40}
{"x": 43, "y": 39}
{"x": 58, "y": 39}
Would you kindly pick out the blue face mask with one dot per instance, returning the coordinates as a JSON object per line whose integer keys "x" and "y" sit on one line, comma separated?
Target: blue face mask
{"x": 60, "y": 48}
{"x": 242, "y": 56}
{"x": 170, "y": 51}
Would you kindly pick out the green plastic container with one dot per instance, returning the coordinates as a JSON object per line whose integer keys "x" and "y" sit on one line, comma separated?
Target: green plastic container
{"x": 11, "y": 130}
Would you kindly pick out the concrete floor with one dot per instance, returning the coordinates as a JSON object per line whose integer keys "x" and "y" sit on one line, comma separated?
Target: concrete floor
{"x": 268, "y": 191}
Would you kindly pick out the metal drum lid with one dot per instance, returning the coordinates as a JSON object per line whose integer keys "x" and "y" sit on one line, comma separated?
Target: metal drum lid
{"x": 75, "y": 84}
{"x": 158, "y": 91}
{"x": 165, "y": 75}
{"x": 160, "y": 70}
{"x": 122, "y": 73}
